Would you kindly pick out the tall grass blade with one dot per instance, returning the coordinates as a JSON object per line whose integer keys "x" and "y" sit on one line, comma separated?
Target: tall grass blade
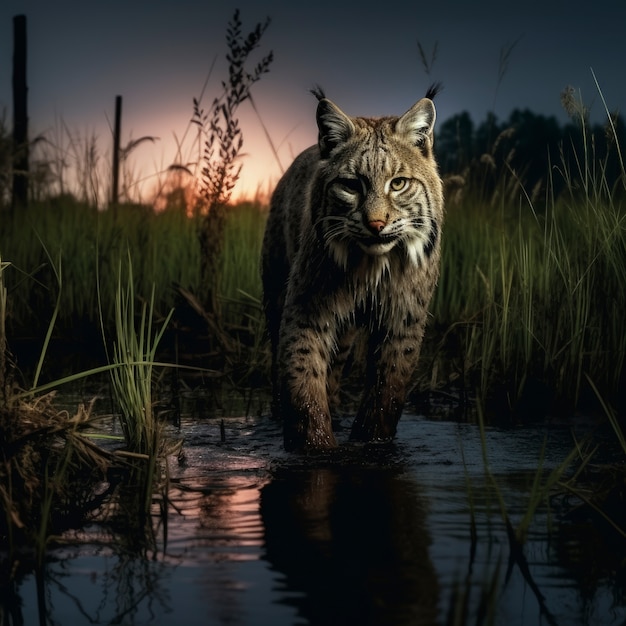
{"x": 611, "y": 416}
{"x": 59, "y": 278}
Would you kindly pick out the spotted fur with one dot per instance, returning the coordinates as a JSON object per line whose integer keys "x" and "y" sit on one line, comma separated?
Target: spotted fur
{"x": 352, "y": 244}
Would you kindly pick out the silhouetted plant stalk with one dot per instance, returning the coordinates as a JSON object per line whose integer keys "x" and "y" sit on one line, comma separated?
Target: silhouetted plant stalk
{"x": 222, "y": 143}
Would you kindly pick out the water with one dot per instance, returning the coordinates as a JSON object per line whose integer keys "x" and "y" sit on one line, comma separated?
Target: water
{"x": 364, "y": 535}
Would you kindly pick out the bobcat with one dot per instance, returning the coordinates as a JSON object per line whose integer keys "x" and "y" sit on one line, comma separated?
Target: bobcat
{"x": 352, "y": 243}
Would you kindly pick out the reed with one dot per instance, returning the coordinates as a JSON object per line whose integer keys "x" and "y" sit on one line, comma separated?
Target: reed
{"x": 132, "y": 379}
{"x": 134, "y": 352}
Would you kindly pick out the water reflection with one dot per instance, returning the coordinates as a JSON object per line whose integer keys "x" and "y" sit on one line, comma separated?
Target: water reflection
{"x": 363, "y": 536}
{"x": 127, "y": 589}
{"x": 351, "y": 544}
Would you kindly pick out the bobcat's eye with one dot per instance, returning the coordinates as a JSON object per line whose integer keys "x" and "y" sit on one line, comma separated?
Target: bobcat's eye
{"x": 351, "y": 185}
{"x": 398, "y": 184}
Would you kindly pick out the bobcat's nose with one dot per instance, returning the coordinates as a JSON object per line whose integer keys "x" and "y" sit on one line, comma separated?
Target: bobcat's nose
{"x": 376, "y": 226}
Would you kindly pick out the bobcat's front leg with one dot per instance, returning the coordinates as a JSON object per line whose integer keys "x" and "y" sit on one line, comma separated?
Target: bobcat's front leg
{"x": 390, "y": 368}
{"x": 304, "y": 353}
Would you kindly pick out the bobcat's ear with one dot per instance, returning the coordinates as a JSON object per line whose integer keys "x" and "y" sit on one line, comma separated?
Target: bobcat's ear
{"x": 418, "y": 122}
{"x": 334, "y": 126}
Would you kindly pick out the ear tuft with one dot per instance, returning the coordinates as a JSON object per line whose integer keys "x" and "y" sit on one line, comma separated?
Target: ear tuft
{"x": 335, "y": 127}
{"x": 318, "y": 92}
{"x": 418, "y": 122}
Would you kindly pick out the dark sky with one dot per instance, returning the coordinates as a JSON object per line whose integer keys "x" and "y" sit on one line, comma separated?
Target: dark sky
{"x": 157, "y": 55}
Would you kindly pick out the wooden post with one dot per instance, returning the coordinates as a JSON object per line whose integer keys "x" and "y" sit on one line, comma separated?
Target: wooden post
{"x": 20, "y": 115}
{"x": 116, "y": 151}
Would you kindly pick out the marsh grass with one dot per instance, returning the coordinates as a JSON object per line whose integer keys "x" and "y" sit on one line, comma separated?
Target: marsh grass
{"x": 527, "y": 294}
{"x": 163, "y": 246}
{"x": 54, "y": 474}
{"x": 239, "y": 263}
{"x": 584, "y": 488}
{"x": 532, "y": 291}
{"x": 132, "y": 380}
{"x": 91, "y": 244}
{"x": 543, "y": 488}
{"x": 597, "y": 486}
{"x": 241, "y": 291}
{"x": 49, "y": 466}
{"x": 134, "y": 352}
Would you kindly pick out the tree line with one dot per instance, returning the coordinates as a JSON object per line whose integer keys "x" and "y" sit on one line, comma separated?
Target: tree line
{"x": 533, "y": 149}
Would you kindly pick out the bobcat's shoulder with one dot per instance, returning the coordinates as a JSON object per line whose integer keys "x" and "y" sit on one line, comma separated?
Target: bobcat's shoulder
{"x": 352, "y": 242}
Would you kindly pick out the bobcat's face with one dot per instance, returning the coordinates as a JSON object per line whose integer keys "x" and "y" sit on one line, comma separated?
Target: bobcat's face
{"x": 374, "y": 184}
